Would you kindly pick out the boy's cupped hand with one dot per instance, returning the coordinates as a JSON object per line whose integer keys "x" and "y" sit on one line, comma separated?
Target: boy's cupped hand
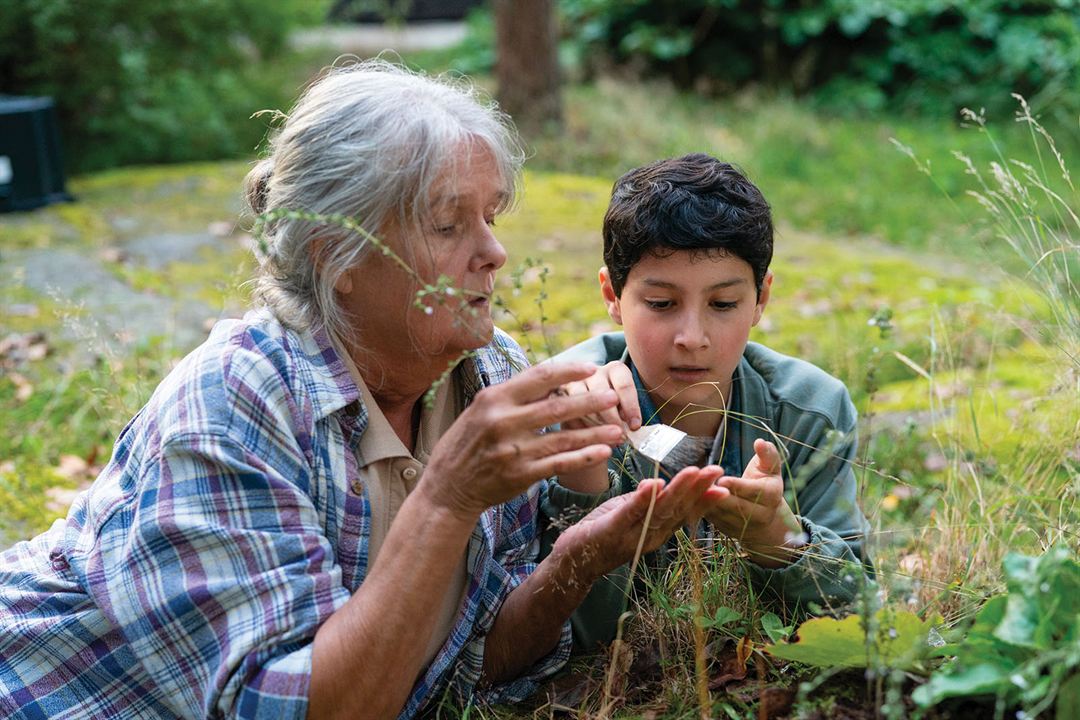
{"x": 755, "y": 512}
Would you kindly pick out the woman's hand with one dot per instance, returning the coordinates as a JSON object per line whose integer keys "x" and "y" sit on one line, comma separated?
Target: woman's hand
{"x": 756, "y": 513}
{"x": 609, "y": 535}
{"x": 495, "y": 449}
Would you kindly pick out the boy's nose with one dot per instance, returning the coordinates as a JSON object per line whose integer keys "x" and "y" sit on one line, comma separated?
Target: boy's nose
{"x": 692, "y": 334}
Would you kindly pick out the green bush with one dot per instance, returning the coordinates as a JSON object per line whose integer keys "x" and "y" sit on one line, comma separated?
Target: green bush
{"x": 914, "y": 55}
{"x": 140, "y": 81}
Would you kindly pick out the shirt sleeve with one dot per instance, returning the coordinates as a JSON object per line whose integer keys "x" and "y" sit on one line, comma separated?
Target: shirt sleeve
{"x": 223, "y": 579}
{"x": 513, "y": 559}
{"x": 834, "y": 566}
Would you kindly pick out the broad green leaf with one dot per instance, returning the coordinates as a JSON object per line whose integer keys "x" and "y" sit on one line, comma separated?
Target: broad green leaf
{"x": 720, "y": 618}
{"x": 981, "y": 679}
{"x": 897, "y": 640}
{"x": 1068, "y": 699}
{"x": 774, "y": 627}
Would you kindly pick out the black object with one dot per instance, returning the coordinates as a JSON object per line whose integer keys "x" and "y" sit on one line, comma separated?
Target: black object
{"x": 31, "y": 162}
{"x": 378, "y": 11}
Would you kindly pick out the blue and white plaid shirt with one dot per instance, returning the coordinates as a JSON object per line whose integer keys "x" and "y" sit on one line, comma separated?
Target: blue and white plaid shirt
{"x": 189, "y": 580}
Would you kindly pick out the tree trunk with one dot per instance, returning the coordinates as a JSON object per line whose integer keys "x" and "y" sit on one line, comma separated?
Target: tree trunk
{"x": 527, "y": 63}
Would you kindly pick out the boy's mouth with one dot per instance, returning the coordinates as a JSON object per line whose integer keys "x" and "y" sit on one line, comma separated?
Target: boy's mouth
{"x": 689, "y": 373}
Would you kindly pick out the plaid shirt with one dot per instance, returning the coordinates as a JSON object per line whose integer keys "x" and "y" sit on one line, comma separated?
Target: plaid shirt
{"x": 189, "y": 580}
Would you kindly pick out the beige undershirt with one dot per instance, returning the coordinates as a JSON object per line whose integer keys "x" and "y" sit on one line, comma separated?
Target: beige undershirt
{"x": 390, "y": 472}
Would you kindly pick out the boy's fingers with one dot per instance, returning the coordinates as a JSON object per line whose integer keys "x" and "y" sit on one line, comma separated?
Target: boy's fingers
{"x": 737, "y": 513}
{"x": 622, "y": 380}
{"x": 755, "y": 490}
{"x": 768, "y": 457}
{"x": 598, "y": 383}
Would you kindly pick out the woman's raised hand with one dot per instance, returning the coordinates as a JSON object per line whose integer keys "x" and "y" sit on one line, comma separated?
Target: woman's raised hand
{"x": 496, "y": 448}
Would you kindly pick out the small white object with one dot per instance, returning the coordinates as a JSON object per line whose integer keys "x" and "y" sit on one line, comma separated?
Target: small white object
{"x": 5, "y": 170}
{"x": 655, "y": 441}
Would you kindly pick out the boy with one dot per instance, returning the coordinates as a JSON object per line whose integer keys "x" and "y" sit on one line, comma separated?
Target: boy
{"x": 687, "y": 247}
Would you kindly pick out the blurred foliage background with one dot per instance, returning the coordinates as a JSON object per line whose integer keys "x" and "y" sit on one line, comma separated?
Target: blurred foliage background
{"x": 846, "y": 113}
{"x": 154, "y": 81}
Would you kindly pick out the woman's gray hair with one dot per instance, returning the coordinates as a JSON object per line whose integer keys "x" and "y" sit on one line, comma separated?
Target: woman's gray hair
{"x": 367, "y": 141}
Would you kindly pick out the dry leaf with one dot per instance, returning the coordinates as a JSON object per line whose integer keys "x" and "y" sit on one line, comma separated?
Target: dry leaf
{"x": 22, "y": 310}
{"x": 732, "y": 663}
{"x": 222, "y": 228}
{"x": 23, "y": 387}
{"x": 60, "y": 499}
{"x": 72, "y": 467}
{"x": 112, "y": 255}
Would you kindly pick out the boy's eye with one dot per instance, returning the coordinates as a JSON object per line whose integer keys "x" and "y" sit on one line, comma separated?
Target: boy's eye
{"x": 719, "y": 305}
{"x": 658, "y": 304}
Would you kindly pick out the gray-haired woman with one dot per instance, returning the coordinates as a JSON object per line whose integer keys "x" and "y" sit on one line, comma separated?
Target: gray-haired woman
{"x": 287, "y": 528}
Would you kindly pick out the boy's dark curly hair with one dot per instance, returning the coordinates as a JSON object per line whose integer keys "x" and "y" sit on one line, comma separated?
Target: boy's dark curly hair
{"x": 694, "y": 202}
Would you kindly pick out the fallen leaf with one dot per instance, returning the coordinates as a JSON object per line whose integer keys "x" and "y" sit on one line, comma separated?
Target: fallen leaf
{"x": 22, "y": 310}
{"x": 900, "y": 641}
{"x": 775, "y": 702}
{"x": 568, "y": 691}
{"x": 72, "y": 467}
{"x": 732, "y": 663}
{"x": 23, "y": 388}
{"x": 60, "y": 499}
{"x": 113, "y": 255}
{"x": 18, "y": 348}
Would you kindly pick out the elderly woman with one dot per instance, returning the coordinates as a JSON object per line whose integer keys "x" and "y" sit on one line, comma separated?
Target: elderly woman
{"x": 289, "y": 528}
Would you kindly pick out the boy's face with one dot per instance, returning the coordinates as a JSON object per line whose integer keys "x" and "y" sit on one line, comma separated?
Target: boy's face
{"x": 687, "y": 318}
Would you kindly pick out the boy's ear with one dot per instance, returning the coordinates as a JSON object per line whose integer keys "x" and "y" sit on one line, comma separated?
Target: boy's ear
{"x": 763, "y": 296}
{"x": 614, "y": 310}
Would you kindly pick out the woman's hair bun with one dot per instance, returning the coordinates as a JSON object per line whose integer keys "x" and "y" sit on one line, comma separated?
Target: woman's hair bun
{"x": 256, "y": 185}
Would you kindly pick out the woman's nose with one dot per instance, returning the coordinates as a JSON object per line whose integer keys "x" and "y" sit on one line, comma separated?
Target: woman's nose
{"x": 490, "y": 255}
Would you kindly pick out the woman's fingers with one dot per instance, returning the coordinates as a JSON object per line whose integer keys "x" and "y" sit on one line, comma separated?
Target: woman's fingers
{"x": 565, "y": 462}
{"x": 539, "y": 381}
{"x": 561, "y": 441}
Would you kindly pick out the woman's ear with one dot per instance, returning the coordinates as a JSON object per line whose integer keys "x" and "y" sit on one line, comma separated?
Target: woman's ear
{"x": 763, "y": 297}
{"x": 344, "y": 282}
{"x": 611, "y": 300}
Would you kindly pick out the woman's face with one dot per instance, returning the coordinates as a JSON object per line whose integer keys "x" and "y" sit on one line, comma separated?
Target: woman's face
{"x": 454, "y": 241}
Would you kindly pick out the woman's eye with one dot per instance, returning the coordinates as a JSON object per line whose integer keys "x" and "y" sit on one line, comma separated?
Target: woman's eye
{"x": 490, "y": 221}
{"x": 446, "y": 229}
{"x": 658, "y": 304}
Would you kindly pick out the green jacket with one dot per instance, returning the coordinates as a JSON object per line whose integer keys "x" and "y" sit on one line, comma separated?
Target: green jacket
{"x": 809, "y": 410}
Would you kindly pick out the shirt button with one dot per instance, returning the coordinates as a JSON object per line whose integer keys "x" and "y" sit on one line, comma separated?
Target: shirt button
{"x": 409, "y": 473}
{"x": 357, "y": 487}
